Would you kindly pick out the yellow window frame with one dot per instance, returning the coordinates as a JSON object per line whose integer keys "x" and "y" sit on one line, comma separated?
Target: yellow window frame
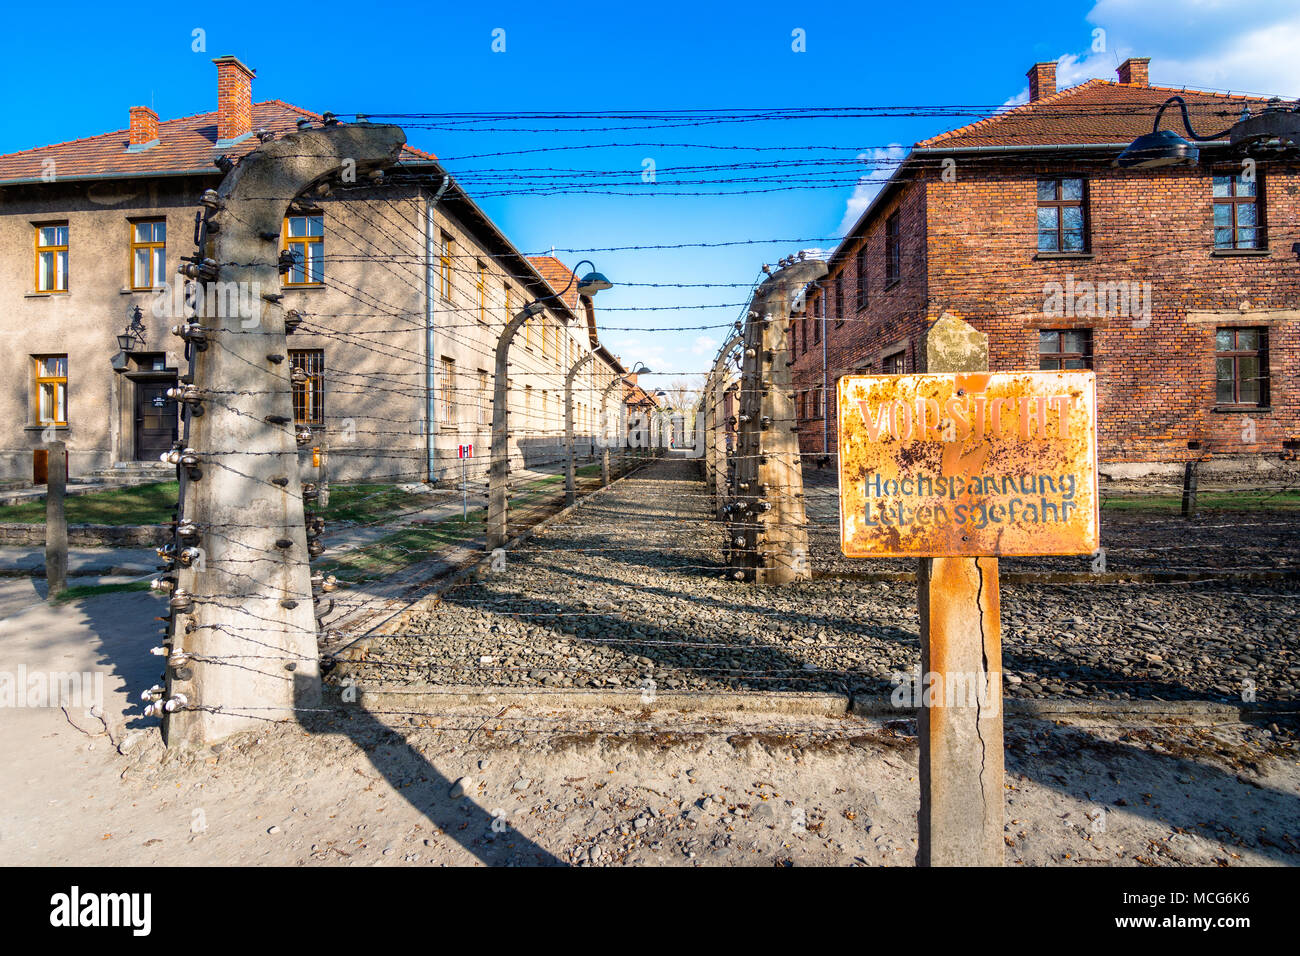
{"x": 482, "y": 291}
{"x": 55, "y": 380}
{"x": 305, "y": 242}
{"x": 444, "y": 267}
{"x": 136, "y": 246}
{"x": 55, "y": 249}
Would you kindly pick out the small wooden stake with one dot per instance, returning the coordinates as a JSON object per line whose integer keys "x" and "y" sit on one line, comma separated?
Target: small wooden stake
{"x": 56, "y": 522}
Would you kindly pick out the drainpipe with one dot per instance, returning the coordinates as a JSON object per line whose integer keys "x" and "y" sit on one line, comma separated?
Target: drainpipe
{"x": 430, "y": 290}
{"x": 826, "y": 421}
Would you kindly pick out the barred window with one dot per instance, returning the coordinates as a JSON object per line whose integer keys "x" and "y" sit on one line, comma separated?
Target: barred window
{"x": 893, "y": 250}
{"x": 308, "y": 395}
{"x": 1064, "y": 349}
{"x": 1236, "y": 212}
{"x": 1061, "y": 225}
{"x": 862, "y": 280}
{"x": 1241, "y": 366}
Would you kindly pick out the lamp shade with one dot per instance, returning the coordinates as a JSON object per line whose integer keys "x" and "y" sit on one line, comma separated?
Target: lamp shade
{"x": 592, "y": 283}
{"x": 126, "y": 341}
{"x": 1161, "y": 148}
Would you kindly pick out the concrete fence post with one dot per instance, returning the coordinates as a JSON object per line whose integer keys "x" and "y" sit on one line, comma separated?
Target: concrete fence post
{"x": 767, "y": 521}
{"x": 570, "y": 480}
{"x": 243, "y": 646}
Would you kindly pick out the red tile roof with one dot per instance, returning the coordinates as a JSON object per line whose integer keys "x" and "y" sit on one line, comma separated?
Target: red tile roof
{"x": 1096, "y": 112}
{"x": 557, "y": 276}
{"x": 188, "y": 144}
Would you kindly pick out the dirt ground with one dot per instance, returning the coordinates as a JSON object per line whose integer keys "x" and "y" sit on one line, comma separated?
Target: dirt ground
{"x": 593, "y": 787}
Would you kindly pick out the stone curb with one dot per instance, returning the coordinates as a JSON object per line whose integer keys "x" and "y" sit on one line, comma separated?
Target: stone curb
{"x": 427, "y": 699}
{"x": 775, "y": 702}
{"x": 1014, "y": 707}
{"x": 15, "y": 534}
{"x": 114, "y": 570}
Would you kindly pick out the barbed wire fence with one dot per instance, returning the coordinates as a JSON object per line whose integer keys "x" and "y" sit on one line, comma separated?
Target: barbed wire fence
{"x": 251, "y": 624}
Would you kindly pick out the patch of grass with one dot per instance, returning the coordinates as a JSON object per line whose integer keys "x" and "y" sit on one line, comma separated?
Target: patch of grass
{"x": 142, "y": 504}
{"x": 366, "y": 503}
{"x": 403, "y": 548}
{"x": 1206, "y": 501}
{"x": 81, "y": 591}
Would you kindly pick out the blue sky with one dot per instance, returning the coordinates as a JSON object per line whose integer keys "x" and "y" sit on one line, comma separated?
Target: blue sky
{"x": 581, "y": 57}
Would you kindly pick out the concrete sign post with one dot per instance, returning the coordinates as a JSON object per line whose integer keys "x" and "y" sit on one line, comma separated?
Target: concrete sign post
{"x": 957, "y": 467}
{"x": 464, "y": 453}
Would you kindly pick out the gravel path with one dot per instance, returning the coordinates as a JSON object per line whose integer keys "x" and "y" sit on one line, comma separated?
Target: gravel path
{"x": 628, "y": 591}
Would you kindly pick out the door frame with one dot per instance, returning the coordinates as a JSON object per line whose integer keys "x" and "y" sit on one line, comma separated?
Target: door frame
{"x": 137, "y": 379}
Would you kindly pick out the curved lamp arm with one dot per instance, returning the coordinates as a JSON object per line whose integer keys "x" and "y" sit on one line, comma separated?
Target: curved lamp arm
{"x": 1187, "y": 122}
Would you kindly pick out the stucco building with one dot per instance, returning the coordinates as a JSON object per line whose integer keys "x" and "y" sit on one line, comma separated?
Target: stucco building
{"x": 403, "y": 286}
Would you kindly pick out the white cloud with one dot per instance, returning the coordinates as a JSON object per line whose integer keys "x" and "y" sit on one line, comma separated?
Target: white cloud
{"x": 1205, "y": 44}
{"x": 704, "y": 345}
{"x": 883, "y": 162}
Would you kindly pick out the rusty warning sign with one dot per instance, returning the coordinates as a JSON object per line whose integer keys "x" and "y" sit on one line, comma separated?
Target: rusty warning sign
{"x": 978, "y": 463}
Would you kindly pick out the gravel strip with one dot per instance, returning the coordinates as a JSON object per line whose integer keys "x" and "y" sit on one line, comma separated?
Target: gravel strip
{"x": 628, "y": 591}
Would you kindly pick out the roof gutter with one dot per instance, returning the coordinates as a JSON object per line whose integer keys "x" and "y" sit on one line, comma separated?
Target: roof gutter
{"x": 154, "y": 174}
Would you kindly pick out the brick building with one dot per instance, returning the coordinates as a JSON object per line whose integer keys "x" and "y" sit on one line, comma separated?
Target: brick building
{"x": 404, "y": 289}
{"x": 1178, "y": 285}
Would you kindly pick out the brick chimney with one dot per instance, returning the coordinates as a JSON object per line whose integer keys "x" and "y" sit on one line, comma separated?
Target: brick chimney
{"x": 234, "y": 98}
{"x": 1042, "y": 80}
{"x": 1134, "y": 71}
{"x": 144, "y": 126}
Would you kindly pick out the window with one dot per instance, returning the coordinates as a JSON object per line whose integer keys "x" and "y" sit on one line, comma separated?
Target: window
{"x": 52, "y": 257}
{"x": 484, "y": 398}
{"x": 1064, "y": 348}
{"x": 1241, "y": 366}
{"x": 862, "y": 280}
{"x": 304, "y": 237}
{"x": 893, "y": 251}
{"x": 309, "y": 395}
{"x": 528, "y": 406}
{"x": 481, "y": 289}
{"x": 839, "y": 304}
{"x": 444, "y": 266}
{"x": 546, "y": 335}
{"x": 819, "y": 402}
{"x": 895, "y": 363}
{"x": 447, "y": 407}
{"x": 51, "y": 389}
{"x": 1236, "y": 214}
{"x": 148, "y": 254}
{"x": 1060, "y": 215}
